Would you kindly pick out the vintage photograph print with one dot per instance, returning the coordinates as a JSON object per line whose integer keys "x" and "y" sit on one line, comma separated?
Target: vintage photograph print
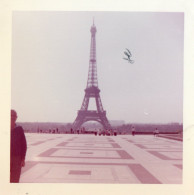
{"x": 97, "y": 97}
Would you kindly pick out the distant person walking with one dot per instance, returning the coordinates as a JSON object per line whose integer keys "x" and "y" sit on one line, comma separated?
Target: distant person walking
{"x": 156, "y": 132}
{"x": 133, "y": 131}
{"x": 18, "y": 149}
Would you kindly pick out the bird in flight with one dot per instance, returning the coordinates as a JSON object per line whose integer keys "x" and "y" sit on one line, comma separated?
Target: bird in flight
{"x": 128, "y": 54}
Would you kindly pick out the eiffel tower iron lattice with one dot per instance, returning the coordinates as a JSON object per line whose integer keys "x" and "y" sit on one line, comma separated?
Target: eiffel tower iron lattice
{"x": 92, "y": 91}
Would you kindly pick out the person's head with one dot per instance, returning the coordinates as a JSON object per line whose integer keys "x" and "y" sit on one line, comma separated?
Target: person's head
{"x": 13, "y": 118}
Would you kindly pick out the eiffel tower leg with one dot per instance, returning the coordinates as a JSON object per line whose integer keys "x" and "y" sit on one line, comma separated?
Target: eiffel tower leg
{"x": 99, "y": 103}
{"x": 85, "y": 103}
{"x": 80, "y": 118}
{"x": 104, "y": 122}
{"x": 102, "y": 113}
{"x": 78, "y": 122}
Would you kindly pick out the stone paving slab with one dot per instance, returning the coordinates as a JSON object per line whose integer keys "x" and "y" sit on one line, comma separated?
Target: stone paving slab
{"x": 71, "y": 158}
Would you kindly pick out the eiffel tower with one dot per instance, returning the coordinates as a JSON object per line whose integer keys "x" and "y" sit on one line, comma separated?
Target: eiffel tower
{"x": 92, "y": 91}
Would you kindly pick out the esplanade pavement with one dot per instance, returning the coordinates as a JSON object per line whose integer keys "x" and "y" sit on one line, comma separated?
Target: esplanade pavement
{"x": 86, "y": 158}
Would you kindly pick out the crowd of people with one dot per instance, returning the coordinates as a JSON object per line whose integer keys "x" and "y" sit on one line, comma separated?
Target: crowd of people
{"x": 133, "y": 132}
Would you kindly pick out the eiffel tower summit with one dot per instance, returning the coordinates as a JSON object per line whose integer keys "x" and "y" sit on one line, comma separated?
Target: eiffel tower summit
{"x": 92, "y": 91}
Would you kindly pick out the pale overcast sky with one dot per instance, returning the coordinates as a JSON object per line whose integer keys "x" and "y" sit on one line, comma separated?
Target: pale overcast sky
{"x": 50, "y": 61}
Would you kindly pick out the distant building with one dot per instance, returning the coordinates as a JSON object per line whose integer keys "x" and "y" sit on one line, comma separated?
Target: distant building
{"x": 117, "y": 122}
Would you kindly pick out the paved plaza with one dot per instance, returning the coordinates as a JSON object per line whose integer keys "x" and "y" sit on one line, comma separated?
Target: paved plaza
{"x": 79, "y": 158}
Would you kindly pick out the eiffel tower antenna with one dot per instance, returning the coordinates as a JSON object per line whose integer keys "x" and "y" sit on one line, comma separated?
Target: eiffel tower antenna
{"x": 92, "y": 91}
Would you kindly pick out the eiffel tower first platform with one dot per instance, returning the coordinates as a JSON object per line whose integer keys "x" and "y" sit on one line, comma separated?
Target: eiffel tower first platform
{"x": 92, "y": 91}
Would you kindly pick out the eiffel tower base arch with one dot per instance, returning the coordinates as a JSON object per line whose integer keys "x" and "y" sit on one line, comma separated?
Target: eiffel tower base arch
{"x": 91, "y": 115}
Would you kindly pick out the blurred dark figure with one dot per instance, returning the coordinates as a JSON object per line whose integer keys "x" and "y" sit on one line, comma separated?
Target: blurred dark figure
{"x": 133, "y": 131}
{"x": 156, "y": 132}
{"x": 18, "y": 149}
